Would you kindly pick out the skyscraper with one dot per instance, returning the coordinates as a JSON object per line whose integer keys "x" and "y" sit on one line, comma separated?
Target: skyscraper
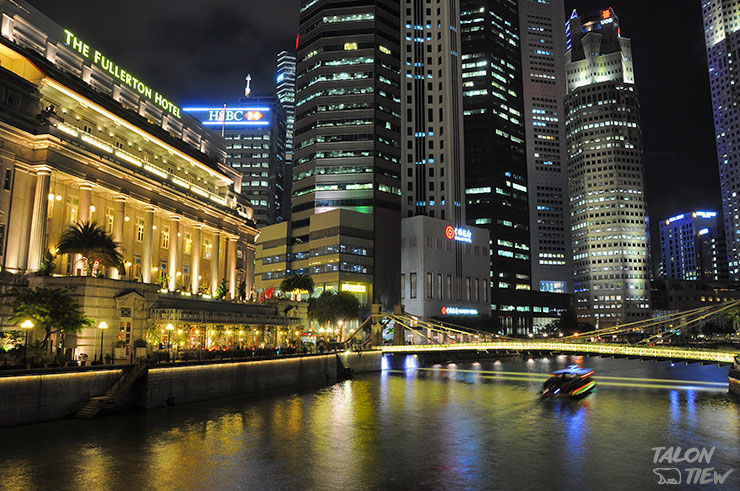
{"x": 722, "y": 38}
{"x": 543, "y": 68}
{"x": 285, "y": 91}
{"x": 692, "y": 247}
{"x": 449, "y": 272}
{"x": 346, "y": 205}
{"x": 495, "y": 151}
{"x": 255, "y": 147}
{"x": 607, "y": 196}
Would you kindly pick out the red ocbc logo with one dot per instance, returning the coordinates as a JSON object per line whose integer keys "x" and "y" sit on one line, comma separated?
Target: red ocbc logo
{"x": 444, "y": 310}
{"x": 450, "y": 232}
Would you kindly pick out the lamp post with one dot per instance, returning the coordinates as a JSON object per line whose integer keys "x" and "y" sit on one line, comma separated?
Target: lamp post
{"x": 27, "y": 325}
{"x": 102, "y": 326}
{"x": 128, "y": 269}
{"x": 169, "y": 328}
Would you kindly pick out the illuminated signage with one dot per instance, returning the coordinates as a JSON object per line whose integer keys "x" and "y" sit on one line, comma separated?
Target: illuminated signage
{"x": 219, "y": 116}
{"x": 349, "y": 287}
{"x": 457, "y": 233}
{"x": 705, "y": 214}
{"x": 605, "y": 14}
{"x": 676, "y": 218}
{"x": 704, "y": 231}
{"x": 106, "y": 64}
{"x": 458, "y": 311}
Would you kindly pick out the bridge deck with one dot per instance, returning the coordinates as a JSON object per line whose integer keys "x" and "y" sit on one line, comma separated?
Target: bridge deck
{"x": 671, "y": 353}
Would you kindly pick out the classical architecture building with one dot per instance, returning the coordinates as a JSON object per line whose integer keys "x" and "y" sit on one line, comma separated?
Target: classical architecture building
{"x": 543, "y": 76}
{"x": 346, "y": 198}
{"x": 605, "y": 172}
{"x": 722, "y": 39}
{"x": 85, "y": 140}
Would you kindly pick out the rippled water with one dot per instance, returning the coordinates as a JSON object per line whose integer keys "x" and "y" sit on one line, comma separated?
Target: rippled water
{"x": 465, "y": 426}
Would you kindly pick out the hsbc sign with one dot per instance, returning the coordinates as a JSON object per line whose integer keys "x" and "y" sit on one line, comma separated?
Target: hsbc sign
{"x": 227, "y": 116}
{"x": 234, "y": 115}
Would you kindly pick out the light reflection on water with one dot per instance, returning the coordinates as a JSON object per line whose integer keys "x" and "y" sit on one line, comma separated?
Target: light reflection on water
{"x": 456, "y": 426}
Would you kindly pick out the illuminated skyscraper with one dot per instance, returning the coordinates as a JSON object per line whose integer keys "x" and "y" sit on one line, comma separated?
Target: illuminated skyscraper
{"x": 722, "y": 37}
{"x": 346, "y": 203}
{"x": 692, "y": 247}
{"x": 285, "y": 91}
{"x": 543, "y": 68}
{"x": 606, "y": 184}
{"x": 495, "y": 152}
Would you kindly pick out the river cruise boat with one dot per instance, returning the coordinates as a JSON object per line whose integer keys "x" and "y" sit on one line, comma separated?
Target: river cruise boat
{"x": 573, "y": 382}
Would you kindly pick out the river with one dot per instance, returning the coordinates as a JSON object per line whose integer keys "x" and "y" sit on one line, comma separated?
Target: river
{"x": 465, "y": 426}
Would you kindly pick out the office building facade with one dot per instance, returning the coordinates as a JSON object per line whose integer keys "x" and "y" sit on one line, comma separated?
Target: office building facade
{"x": 495, "y": 152}
{"x": 605, "y": 172}
{"x": 347, "y": 161}
{"x": 543, "y": 74}
{"x": 285, "y": 92}
{"x": 255, "y": 147}
{"x": 692, "y": 247}
{"x": 722, "y": 40}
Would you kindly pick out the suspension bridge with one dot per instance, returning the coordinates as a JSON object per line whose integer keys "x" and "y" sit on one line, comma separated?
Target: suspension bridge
{"x": 647, "y": 339}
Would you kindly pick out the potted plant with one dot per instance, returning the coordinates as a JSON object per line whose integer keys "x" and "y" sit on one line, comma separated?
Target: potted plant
{"x": 120, "y": 349}
{"x": 140, "y": 348}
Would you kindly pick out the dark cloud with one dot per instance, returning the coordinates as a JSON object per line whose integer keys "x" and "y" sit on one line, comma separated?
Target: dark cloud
{"x": 196, "y": 51}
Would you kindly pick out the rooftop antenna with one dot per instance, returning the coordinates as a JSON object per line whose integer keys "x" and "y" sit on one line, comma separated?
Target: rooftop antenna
{"x": 247, "y": 90}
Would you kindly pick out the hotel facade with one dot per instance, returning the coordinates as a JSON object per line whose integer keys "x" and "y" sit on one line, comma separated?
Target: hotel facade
{"x": 85, "y": 140}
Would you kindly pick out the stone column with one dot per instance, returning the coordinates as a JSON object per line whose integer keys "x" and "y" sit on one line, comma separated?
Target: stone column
{"x": 119, "y": 214}
{"x": 215, "y": 254}
{"x": 83, "y": 216}
{"x": 232, "y": 266}
{"x": 174, "y": 261}
{"x": 38, "y": 219}
{"x": 195, "y": 258}
{"x": 146, "y": 252}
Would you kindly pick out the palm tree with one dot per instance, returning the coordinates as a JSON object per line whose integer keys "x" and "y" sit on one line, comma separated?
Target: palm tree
{"x": 332, "y": 306}
{"x": 298, "y": 283}
{"x": 93, "y": 244}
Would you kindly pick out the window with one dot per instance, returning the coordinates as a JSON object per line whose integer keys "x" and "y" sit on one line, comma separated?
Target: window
{"x": 187, "y": 243}
{"x": 430, "y": 286}
{"x": 467, "y": 288}
{"x": 2, "y": 238}
{"x": 137, "y": 266}
{"x": 72, "y": 206}
{"x": 165, "y": 237}
{"x": 8, "y": 179}
{"x": 207, "y": 248}
{"x": 449, "y": 287}
{"x": 139, "y": 229}
{"x": 412, "y": 280}
{"x": 477, "y": 290}
{"x": 109, "y": 217}
{"x": 125, "y": 311}
{"x": 439, "y": 287}
{"x": 485, "y": 291}
{"x": 403, "y": 285}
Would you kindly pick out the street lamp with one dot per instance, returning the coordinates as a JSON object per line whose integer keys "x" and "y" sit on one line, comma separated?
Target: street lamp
{"x": 128, "y": 268}
{"x": 102, "y": 326}
{"x": 27, "y": 325}
{"x": 169, "y": 328}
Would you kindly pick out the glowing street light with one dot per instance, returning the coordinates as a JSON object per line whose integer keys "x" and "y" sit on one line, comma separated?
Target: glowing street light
{"x": 102, "y": 326}
{"x": 27, "y": 325}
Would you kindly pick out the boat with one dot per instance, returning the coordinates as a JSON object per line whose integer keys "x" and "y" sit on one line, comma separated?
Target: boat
{"x": 573, "y": 382}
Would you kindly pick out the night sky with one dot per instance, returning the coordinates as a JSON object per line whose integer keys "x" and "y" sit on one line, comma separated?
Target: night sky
{"x": 197, "y": 51}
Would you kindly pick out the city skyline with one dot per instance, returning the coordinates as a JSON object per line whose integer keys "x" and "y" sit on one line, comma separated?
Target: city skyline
{"x": 673, "y": 148}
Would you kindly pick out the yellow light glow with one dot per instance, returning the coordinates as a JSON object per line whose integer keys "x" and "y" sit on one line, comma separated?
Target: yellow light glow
{"x": 348, "y": 287}
{"x": 170, "y": 327}
{"x": 27, "y": 324}
{"x": 103, "y": 325}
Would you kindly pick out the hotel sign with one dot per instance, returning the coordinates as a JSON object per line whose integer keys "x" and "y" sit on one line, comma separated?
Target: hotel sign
{"x": 119, "y": 73}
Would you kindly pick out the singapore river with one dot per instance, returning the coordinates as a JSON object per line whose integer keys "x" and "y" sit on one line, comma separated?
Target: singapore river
{"x": 452, "y": 426}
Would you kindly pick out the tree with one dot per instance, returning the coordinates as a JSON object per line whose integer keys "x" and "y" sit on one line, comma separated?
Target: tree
{"x": 52, "y": 310}
{"x": 241, "y": 291}
{"x": 93, "y": 244}
{"x": 332, "y": 306}
{"x": 222, "y": 290}
{"x": 47, "y": 264}
{"x": 297, "y": 283}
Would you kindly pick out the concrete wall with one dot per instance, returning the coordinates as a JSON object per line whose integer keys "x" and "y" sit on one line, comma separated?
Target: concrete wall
{"x": 180, "y": 385}
{"x": 37, "y": 398}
